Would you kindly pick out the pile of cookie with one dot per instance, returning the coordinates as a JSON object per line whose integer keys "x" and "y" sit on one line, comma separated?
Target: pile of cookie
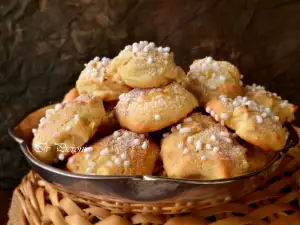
{"x": 139, "y": 110}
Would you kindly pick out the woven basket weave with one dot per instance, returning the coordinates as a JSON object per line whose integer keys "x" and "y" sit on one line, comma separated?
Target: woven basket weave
{"x": 278, "y": 203}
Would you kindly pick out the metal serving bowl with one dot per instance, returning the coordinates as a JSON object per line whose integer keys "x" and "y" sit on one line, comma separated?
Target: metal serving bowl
{"x": 135, "y": 193}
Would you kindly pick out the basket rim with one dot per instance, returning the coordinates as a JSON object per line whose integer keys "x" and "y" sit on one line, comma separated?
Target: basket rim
{"x": 292, "y": 141}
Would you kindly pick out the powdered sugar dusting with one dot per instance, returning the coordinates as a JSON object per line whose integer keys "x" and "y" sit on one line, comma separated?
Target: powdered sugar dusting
{"x": 156, "y": 100}
{"x": 214, "y": 139}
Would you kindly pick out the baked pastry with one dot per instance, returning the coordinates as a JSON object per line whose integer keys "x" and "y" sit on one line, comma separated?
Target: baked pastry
{"x": 122, "y": 153}
{"x": 142, "y": 65}
{"x": 252, "y": 122}
{"x": 109, "y": 123}
{"x": 281, "y": 108}
{"x": 209, "y": 78}
{"x": 257, "y": 158}
{"x": 199, "y": 148}
{"x": 71, "y": 95}
{"x": 95, "y": 80}
{"x": 147, "y": 110}
{"x": 69, "y": 125}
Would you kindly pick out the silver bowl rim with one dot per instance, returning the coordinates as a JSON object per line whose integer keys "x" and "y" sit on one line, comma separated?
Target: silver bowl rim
{"x": 292, "y": 141}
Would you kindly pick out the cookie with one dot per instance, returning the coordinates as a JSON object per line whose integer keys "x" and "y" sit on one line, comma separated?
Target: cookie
{"x": 95, "y": 80}
{"x": 252, "y": 122}
{"x": 281, "y": 108}
{"x": 122, "y": 153}
{"x": 148, "y": 110}
{"x": 69, "y": 125}
{"x": 143, "y": 65}
{"x": 257, "y": 159}
{"x": 207, "y": 79}
{"x": 71, "y": 95}
{"x": 199, "y": 148}
{"x": 109, "y": 123}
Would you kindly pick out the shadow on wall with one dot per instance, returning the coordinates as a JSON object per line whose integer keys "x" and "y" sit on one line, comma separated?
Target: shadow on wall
{"x": 46, "y": 43}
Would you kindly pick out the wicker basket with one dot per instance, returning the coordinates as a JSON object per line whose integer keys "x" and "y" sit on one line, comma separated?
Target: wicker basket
{"x": 277, "y": 203}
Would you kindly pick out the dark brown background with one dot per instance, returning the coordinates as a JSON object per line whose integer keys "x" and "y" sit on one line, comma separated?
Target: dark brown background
{"x": 45, "y": 43}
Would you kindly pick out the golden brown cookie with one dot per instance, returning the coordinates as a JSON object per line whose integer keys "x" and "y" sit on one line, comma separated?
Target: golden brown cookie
{"x": 281, "y": 108}
{"x": 122, "y": 153}
{"x": 252, "y": 122}
{"x": 258, "y": 158}
{"x": 71, "y": 95}
{"x": 200, "y": 148}
{"x": 143, "y": 65}
{"x": 209, "y": 78}
{"x": 95, "y": 80}
{"x": 147, "y": 110}
{"x": 109, "y": 123}
{"x": 69, "y": 125}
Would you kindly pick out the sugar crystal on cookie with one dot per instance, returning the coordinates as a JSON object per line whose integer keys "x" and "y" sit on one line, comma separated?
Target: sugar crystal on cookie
{"x": 145, "y": 145}
{"x": 117, "y": 161}
{"x": 229, "y": 140}
{"x": 68, "y": 127}
{"x": 225, "y": 134}
{"x": 105, "y": 151}
{"x": 259, "y": 119}
{"x": 185, "y": 151}
{"x": 58, "y": 106}
{"x": 77, "y": 117}
{"x": 157, "y": 117}
{"x": 223, "y": 78}
{"x": 208, "y": 146}
{"x": 189, "y": 139}
{"x": 224, "y": 116}
{"x": 185, "y": 130}
{"x": 61, "y": 156}
{"x": 188, "y": 119}
{"x": 173, "y": 129}
{"x": 198, "y": 145}
{"x": 136, "y": 141}
{"x": 213, "y": 137}
{"x": 124, "y": 155}
{"x": 180, "y": 146}
{"x": 117, "y": 134}
{"x": 178, "y": 126}
{"x": 215, "y": 149}
{"x": 49, "y": 112}
{"x": 126, "y": 163}
{"x": 208, "y": 109}
{"x": 88, "y": 149}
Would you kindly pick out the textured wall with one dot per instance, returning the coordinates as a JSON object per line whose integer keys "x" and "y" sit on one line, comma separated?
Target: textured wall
{"x": 44, "y": 45}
